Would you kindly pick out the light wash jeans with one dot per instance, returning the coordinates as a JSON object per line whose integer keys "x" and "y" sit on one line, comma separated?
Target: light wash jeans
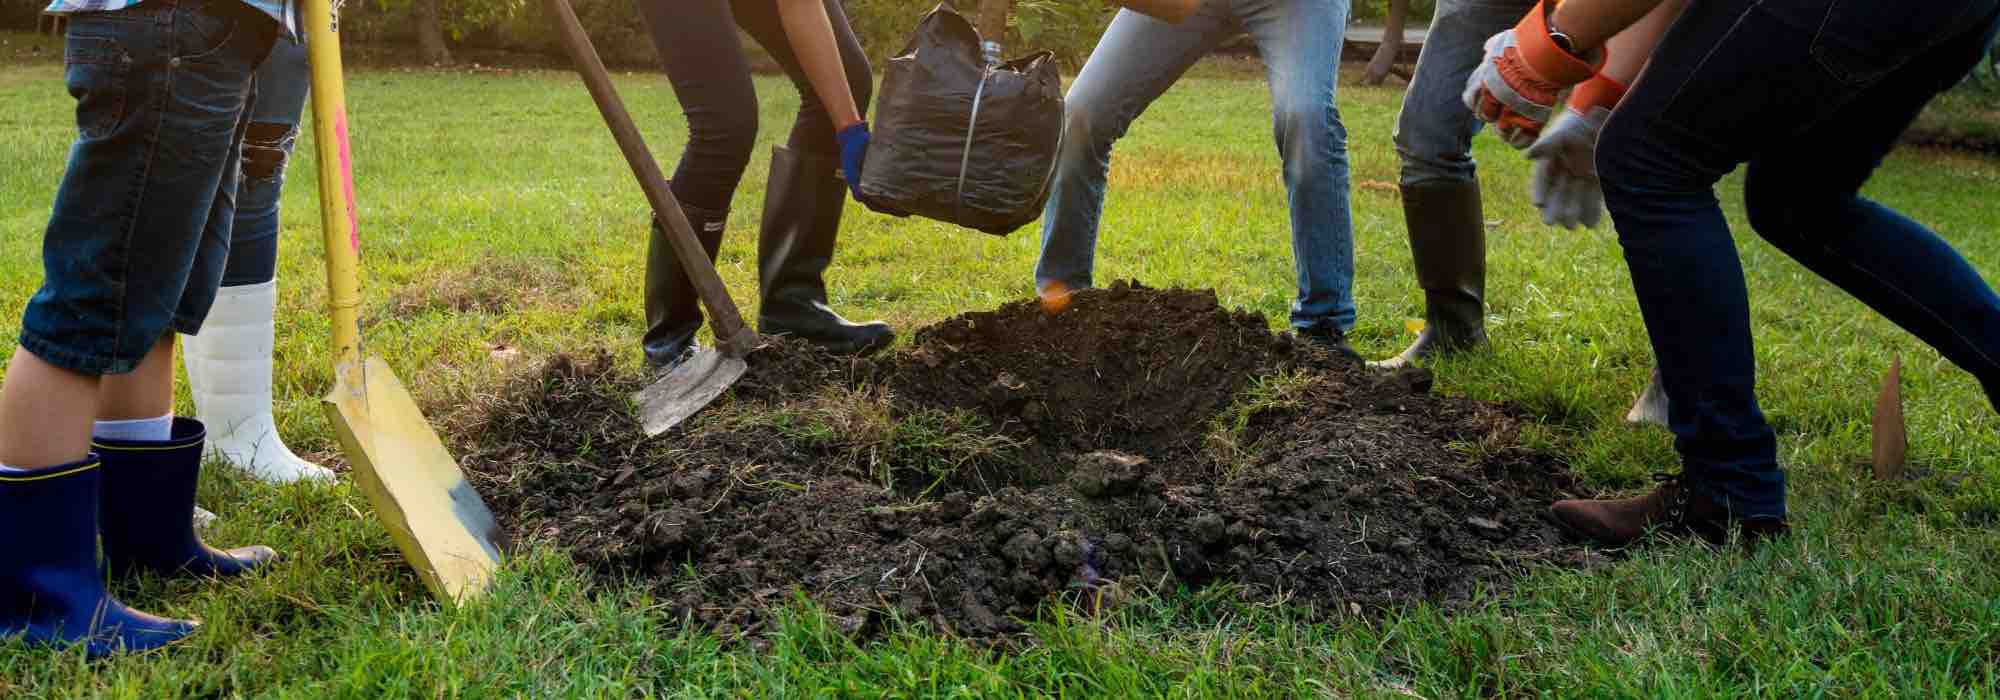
{"x": 1434, "y": 131}
{"x": 1139, "y": 57}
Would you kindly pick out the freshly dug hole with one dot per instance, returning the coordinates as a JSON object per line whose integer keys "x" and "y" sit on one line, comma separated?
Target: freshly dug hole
{"x": 1005, "y": 459}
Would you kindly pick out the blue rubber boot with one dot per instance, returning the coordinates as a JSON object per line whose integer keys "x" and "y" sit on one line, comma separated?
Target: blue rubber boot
{"x": 51, "y": 587}
{"x": 148, "y": 509}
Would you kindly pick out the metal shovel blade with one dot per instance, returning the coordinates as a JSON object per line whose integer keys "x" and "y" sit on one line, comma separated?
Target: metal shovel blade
{"x": 433, "y": 514}
{"x": 692, "y": 385}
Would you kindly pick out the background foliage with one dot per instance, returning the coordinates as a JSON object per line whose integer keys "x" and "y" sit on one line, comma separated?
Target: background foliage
{"x": 497, "y": 211}
{"x": 1067, "y": 27}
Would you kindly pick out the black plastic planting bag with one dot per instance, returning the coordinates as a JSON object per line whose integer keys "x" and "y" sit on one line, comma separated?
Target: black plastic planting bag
{"x": 959, "y": 142}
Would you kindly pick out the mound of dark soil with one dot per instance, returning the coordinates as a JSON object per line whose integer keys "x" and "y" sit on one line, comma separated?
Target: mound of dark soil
{"x": 1006, "y": 459}
{"x": 1127, "y": 368}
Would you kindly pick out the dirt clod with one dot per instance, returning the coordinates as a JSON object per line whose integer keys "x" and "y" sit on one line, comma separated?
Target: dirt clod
{"x": 1009, "y": 459}
{"x": 1107, "y": 474}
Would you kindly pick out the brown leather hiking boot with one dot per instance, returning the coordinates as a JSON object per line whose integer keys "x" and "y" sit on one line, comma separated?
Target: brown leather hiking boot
{"x": 1671, "y": 508}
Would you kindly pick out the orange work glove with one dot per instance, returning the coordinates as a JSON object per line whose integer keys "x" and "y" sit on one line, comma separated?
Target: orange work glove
{"x": 1515, "y": 88}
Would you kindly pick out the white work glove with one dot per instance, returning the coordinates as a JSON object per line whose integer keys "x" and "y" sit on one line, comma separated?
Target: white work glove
{"x": 1564, "y": 184}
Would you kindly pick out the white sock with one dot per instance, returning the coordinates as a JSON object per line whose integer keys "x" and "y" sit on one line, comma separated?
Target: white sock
{"x": 137, "y": 430}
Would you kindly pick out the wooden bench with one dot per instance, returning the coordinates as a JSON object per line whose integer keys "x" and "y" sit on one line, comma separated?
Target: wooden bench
{"x": 1360, "y": 46}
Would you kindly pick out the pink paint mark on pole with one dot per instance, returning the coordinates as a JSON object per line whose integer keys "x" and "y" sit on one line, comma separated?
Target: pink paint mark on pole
{"x": 347, "y": 180}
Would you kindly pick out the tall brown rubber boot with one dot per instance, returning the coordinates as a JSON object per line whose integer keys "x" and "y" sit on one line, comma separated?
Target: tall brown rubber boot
{"x": 673, "y": 309}
{"x": 1448, "y": 245}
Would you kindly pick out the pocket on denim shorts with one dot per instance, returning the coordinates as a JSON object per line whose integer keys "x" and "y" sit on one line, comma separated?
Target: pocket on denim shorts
{"x": 203, "y": 29}
{"x": 95, "y": 69}
{"x": 1859, "y": 41}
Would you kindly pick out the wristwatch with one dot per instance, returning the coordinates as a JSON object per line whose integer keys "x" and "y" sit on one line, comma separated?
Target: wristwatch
{"x": 1556, "y": 36}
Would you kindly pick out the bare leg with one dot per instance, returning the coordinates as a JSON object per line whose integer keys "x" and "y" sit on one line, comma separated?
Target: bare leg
{"x": 145, "y": 392}
{"x": 45, "y": 413}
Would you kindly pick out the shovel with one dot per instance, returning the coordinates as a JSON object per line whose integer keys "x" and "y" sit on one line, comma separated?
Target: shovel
{"x": 698, "y": 379}
{"x": 435, "y": 517}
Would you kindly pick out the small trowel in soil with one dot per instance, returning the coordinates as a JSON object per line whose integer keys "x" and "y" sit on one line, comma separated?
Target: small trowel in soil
{"x": 1890, "y": 434}
{"x": 698, "y": 379}
{"x": 439, "y": 522}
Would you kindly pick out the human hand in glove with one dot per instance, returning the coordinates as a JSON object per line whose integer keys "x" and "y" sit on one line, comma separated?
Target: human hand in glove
{"x": 1524, "y": 71}
{"x": 1564, "y": 185}
{"x": 853, "y": 150}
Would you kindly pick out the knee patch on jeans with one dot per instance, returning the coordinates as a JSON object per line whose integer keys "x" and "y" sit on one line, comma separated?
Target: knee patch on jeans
{"x": 265, "y": 148}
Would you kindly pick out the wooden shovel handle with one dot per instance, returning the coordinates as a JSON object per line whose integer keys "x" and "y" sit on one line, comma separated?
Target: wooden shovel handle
{"x": 730, "y": 333}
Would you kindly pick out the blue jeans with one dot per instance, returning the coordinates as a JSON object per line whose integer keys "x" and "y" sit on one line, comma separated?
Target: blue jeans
{"x": 1812, "y": 94}
{"x": 282, "y": 84}
{"x": 135, "y": 246}
{"x": 1434, "y": 130}
{"x": 1139, "y": 57}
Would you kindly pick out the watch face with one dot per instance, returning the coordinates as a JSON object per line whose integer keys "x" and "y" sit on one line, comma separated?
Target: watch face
{"x": 1562, "y": 42}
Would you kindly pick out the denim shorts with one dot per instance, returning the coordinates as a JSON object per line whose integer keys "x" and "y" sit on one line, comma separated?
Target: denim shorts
{"x": 140, "y": 230}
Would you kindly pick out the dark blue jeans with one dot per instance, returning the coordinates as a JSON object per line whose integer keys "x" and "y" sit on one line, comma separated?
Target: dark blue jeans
{"x": 135, "y": 246}
{"x": 1812, "y": 94}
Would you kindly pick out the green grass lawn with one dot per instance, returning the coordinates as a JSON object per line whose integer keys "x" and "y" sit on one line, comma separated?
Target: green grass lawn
{"x": 495, "y": 210}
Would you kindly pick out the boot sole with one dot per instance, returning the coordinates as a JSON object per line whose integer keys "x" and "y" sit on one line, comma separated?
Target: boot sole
{"x": 1745, "y": 535}
{"x": 854, "y": 349}
{"x": 1412, "y": 355}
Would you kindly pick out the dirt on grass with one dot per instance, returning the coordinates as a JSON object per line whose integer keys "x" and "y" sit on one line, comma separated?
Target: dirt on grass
{"x": 1005, "y": 460}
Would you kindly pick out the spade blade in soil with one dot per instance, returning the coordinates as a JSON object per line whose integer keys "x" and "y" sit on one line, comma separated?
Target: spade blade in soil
{"x": 433, "y": 514}
{"x": 691, "y": 385}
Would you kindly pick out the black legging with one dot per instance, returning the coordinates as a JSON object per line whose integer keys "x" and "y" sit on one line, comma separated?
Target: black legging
{"x": 711, "y": 77}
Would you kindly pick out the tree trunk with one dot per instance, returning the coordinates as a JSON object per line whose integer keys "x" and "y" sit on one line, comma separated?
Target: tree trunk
{"x": 430, "y": 34}
{"x": 1384, "y": 61}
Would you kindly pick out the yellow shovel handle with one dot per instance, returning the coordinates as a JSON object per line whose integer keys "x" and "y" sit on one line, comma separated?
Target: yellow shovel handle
{"x": 336, "y": 186}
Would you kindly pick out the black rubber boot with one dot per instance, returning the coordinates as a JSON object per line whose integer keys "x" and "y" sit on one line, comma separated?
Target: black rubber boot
{"x": 51, "y": 584}
{"x": 801, "y": 218}
{"x": 147, "y": 519}
{"x": 1448, "y": 245}
{"x": 673, "y": 309}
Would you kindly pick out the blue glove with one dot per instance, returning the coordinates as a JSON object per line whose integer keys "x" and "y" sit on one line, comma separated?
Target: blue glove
{"x": 853, "y": 149}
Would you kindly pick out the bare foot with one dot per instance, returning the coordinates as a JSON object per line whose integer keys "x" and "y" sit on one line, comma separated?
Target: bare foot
{"x": 1651, "y": 407}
